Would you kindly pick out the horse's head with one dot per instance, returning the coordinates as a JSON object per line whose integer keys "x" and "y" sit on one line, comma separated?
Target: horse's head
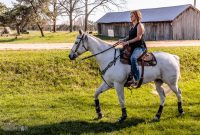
{"x": 79, "y": 46}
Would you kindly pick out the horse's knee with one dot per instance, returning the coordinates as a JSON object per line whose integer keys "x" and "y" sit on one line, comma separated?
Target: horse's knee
{"x": 96, "y": 95}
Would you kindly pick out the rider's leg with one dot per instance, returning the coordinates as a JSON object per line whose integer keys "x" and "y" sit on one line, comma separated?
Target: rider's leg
{"x": 134, "y": 65}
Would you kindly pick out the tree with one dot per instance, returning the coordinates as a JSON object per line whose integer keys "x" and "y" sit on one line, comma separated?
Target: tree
{"x": 3, "y": 8}
{"x": 91, "y": 5}
{"x": 17, "y": 17}
{"x": 71, "y": 8}
{"x": 53, "y": 12}
{"x": 40, "y": 9}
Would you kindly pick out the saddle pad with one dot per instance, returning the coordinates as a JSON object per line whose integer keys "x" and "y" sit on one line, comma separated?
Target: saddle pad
{"x": 148, "y": 58}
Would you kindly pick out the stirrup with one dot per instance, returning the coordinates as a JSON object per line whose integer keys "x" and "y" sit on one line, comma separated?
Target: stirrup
{"x": 133, "y": 83}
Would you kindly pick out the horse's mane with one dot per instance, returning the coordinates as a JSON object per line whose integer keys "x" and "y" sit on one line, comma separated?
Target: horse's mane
{"x": 99, "y": 40}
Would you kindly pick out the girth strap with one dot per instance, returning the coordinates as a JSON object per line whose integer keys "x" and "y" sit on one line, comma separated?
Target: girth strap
{"x": 110, "y": 65}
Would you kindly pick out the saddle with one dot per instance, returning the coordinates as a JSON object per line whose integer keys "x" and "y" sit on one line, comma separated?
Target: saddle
{"x": 146, "y": 59}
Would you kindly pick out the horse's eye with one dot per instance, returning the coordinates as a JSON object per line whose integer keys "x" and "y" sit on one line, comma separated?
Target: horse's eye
{"x": 76, "y": 42}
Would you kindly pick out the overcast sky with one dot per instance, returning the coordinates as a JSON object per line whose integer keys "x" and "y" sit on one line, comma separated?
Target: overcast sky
{"x": 131, "y": 5}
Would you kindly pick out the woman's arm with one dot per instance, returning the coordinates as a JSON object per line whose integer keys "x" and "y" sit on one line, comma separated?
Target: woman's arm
{"x": 140, "y": 32}
{"x": 124, "y": 39}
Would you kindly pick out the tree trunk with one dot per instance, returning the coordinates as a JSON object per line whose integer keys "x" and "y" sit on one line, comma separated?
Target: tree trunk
{"x": 40, "y": 28}
{"x": 70, "y": 23}
{"x": 86, "y": 14}
{"x": 86, "y": 22}
{"x": 18, "y": 30}
{"x": 54, "y": 25}
{"x": 54, "y": 14}
{"x": 41, "y": 31}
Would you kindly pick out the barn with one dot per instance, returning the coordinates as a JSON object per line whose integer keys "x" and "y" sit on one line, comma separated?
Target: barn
{"x": 165, "y": 23}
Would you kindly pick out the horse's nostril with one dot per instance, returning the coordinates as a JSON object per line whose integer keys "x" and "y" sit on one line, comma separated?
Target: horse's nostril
{"x": 72, "y": 56}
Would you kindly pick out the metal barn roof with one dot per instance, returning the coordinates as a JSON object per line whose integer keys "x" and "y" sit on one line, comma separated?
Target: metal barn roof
{"x": 148, "y": 15}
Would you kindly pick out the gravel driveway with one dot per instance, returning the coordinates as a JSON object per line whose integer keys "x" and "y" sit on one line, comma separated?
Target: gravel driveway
{"x": 61, "y": 46}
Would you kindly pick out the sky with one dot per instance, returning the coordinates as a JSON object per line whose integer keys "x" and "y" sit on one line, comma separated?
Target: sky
{"x": 131, "y": 5}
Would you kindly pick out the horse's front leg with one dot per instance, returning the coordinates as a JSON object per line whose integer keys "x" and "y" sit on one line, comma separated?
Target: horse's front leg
{"x": 120, "y": 93}
{"x": 100, "y": 90}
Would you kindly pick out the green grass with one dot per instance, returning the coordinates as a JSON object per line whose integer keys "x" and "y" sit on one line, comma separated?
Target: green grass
{"x": 35, "y": 37}
{"x": 43, "y": 92}
{"x": 58, "y": 37}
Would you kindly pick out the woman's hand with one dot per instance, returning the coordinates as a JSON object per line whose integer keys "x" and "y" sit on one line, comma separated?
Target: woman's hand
{"x": 124, "y": 43}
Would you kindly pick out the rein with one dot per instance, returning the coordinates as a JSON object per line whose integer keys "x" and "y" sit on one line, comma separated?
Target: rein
{"x": 116, "y": 44}
{"x": 109, "y": 65}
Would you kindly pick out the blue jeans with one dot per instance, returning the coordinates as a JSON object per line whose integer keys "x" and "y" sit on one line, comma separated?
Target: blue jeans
{"x": 134, "y": 65}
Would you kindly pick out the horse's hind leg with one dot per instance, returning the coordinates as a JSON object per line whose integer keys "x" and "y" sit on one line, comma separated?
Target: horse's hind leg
{"x": 100, "y": 90}
{"x": 177, "y": 91}
{"x": 161, "y": 93}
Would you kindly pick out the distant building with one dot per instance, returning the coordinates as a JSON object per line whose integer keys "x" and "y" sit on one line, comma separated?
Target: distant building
{"x": 165, "y": 23}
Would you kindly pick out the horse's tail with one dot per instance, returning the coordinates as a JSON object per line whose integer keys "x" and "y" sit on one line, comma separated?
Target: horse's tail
{"x": 178, "y": 61}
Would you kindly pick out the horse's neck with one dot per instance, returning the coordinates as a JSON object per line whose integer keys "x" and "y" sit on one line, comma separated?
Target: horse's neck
{"x": 96, "y": 46}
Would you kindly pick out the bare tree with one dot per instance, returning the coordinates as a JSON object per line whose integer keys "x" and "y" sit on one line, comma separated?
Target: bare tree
{"x": 91, "y": 5}
{"x": 36, "y": 12}
{"x": 71, "y": 8}
{"x": 53, "y": 12}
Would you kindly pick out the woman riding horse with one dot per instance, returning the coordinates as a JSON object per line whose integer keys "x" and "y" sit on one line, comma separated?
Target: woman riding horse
{"x": 116, "y": 73}
{"x": 137, "y": 44}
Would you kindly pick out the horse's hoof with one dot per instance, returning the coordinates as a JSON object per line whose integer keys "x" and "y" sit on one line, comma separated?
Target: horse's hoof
{"x": 100, "y": 116}
{"x": 121, "y": 119}
{"x": 155, "y": 119}
{"x": 182, "y": 114}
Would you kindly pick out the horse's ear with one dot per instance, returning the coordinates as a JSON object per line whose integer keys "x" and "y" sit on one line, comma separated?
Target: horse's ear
{"x": 81, "y": 32}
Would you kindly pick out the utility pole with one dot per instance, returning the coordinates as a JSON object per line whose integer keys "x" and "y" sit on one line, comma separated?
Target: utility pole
{"x": 194, "y": 3}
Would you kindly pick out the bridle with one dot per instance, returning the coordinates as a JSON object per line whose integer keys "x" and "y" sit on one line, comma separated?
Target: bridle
{"x": 79, "y": 43}
{"x": 109, "y": 65}
{"x": 81, "y": 40}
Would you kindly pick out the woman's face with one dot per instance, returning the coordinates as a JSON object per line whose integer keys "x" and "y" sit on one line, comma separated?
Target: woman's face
{"x": 133, "y": 18}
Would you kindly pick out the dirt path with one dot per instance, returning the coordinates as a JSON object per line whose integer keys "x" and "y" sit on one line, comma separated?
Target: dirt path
{"x": 61, "y": 46}
{"x": 58, "y": 46}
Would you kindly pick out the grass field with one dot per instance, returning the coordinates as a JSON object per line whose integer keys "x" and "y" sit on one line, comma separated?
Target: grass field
{"x": 35, "y": 37}
{"x": 42, "y": 92}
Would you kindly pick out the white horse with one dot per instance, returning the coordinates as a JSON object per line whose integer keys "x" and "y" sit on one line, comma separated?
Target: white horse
{"x": 166, "y": 71}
